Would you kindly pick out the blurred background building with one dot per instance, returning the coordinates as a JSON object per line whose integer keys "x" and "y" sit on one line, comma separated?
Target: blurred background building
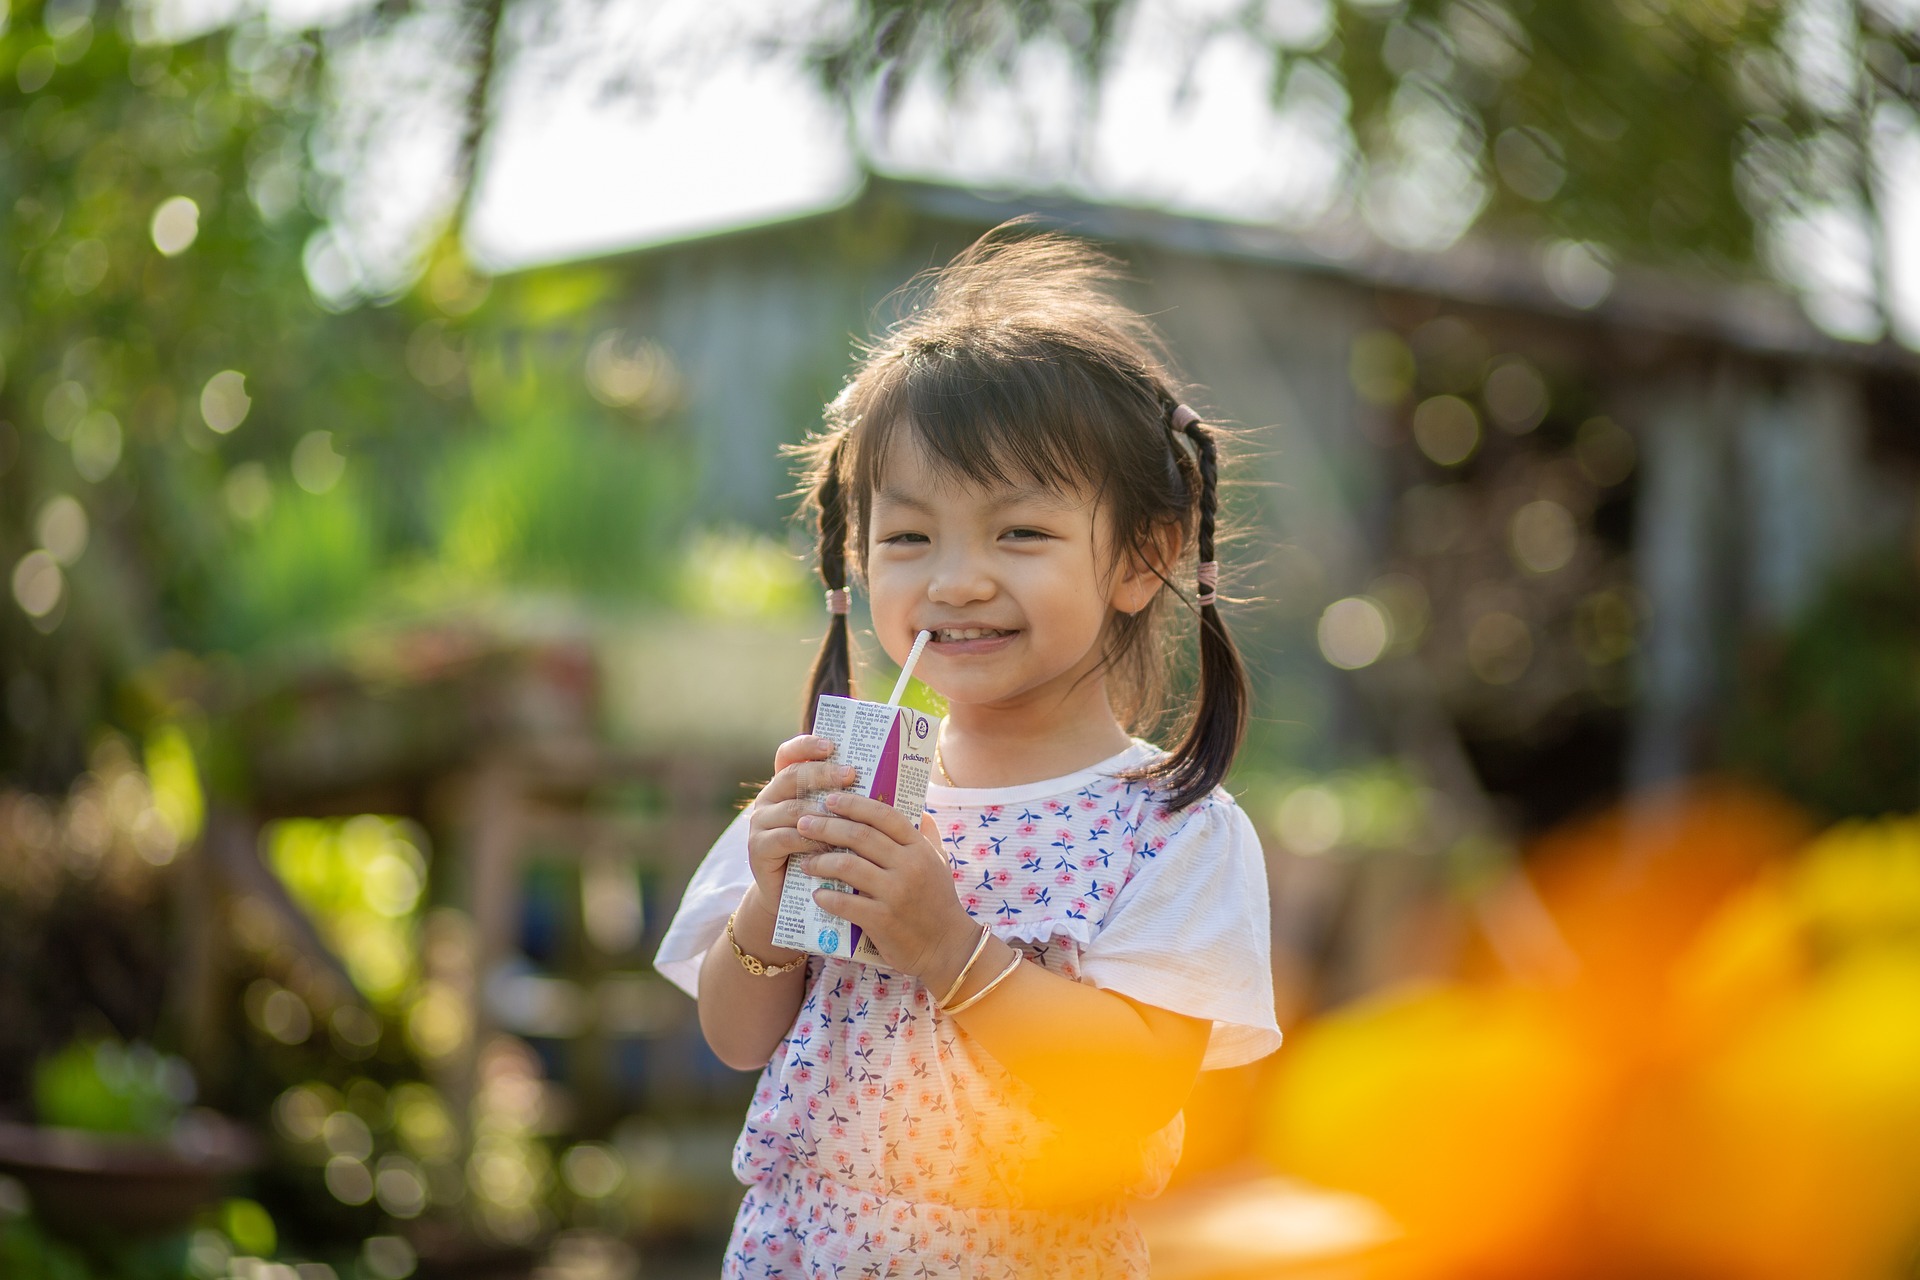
{"x": 403, "y": 590}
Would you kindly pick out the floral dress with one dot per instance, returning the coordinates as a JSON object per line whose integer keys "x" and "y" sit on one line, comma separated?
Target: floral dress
{"x": 882, "y": 1142}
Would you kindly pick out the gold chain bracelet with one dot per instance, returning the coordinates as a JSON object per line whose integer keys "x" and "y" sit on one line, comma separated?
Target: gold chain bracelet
{"x": 755, "y": 965}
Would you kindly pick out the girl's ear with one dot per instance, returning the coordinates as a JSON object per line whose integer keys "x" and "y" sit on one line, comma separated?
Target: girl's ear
{"x": 1148, "y": 568}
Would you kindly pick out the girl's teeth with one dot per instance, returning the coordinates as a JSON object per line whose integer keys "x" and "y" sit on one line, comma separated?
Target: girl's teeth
{"x": 951, "y": 635}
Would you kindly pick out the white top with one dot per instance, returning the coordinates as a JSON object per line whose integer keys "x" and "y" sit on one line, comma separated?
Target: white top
{"x": 1191, "y": 932}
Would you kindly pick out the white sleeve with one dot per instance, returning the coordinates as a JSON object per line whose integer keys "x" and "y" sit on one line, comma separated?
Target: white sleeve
{"x": 1191, "y": 932}
{"x": 711, "y": 896}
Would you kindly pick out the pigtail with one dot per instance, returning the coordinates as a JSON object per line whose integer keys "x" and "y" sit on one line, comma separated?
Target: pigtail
{"x": 833, "y": 667}
{"x": 1200, "y": 762}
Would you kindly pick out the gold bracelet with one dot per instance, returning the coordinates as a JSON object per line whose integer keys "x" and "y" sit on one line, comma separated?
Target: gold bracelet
{"x": 754, "y": 965}
{"x": 983, "y": 992}
{"x": 965, "y": 969}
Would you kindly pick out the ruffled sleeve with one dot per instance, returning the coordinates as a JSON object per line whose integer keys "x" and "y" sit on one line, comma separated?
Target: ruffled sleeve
{"x": 711, "y": 896}
{"x": 1191, "y": 930}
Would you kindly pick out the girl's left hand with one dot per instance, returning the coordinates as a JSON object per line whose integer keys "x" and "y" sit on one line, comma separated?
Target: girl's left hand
{"x": 906, "y": 899}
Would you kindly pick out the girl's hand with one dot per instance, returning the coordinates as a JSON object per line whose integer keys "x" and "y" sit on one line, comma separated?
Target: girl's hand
{"x": 799, "y": 767}
{"x": 905, "y": 900}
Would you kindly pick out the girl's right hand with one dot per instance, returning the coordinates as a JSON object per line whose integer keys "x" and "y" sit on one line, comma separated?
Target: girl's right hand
{"x": 800, "y": 767}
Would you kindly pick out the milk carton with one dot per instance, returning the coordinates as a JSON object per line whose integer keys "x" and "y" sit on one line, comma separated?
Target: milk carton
{"x": 892, "y": 749}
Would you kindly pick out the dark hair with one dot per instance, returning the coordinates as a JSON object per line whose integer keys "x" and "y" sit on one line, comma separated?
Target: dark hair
{"x": 1015, "y": 362}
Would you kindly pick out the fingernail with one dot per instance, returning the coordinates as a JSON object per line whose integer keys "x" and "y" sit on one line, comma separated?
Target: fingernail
{"x": 832, "y": 800}
{"x": 849, "y": 774}
{"x": 808, "y": 822}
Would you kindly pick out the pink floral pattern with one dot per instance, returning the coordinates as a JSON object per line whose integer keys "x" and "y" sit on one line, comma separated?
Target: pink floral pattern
{"x": 883, "y": 1143}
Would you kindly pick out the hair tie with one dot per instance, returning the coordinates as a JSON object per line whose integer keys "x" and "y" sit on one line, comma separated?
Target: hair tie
{"x": 1208, "y": 578}
{"x": 1183, "y": 417}
{"x": 839, "y": 600}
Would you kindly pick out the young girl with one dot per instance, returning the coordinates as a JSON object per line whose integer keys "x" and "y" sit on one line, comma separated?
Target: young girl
{"x": 1080, "y": 923}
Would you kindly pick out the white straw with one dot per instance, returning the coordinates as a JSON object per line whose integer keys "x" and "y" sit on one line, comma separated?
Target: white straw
{"x": 906, "y": 668}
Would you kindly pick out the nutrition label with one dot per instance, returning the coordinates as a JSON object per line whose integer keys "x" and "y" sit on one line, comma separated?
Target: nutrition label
{"x": 891, "y": 750}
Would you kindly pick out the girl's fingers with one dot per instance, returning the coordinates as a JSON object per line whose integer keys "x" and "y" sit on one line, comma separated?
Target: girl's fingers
{"x": 801, "y": 777}
{"x": 805, "y": 747}
{"x": 787, "y": 813}
{"x": 780, "y": 842}
{"x": 847, "y": 868}
{"x": 821, "y": 775}
{"x": 882, "y": 817}
{"x": 850, "y": 907}
{"x": 844, "y": 833}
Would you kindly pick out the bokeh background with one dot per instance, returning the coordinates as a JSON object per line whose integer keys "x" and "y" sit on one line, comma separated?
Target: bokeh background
{"x": 401, "y": 586}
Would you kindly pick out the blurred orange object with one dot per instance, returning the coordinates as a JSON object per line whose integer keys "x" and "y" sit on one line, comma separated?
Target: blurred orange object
{"x": 1629, "y": 890}
{"x": 1721, "y": 1080}
{"x": 1788, "y": 1143}
{"x": 1465, "y": 1113}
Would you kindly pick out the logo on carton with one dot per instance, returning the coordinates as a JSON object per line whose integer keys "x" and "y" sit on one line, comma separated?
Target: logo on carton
{"x": 829, "y": 940}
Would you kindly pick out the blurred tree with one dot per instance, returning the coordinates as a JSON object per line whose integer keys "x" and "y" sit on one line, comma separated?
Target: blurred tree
{"x": 154, "y": 357}
{"x": 1726, "y": 136}
{"x": 1692, "y": 133}
{"x": 196, "y": 453}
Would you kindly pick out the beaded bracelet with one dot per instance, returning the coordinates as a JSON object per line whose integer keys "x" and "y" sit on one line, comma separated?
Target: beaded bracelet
{"x": 983, "y": 992}
{"x": 965, "y": 969}
{"x": 755, "y": 965}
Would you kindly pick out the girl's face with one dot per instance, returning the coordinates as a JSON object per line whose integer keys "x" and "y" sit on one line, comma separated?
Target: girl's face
{"x": 1017, "y": 584}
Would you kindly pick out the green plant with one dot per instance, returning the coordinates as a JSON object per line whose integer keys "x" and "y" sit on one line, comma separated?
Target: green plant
{"x": 109, "y": 1087}
{"x": 1829, "y": 712}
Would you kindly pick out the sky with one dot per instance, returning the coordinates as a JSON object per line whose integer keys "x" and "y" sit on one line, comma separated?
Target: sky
{"x": 581, "y": 163}
{"x": 725, "y": 139}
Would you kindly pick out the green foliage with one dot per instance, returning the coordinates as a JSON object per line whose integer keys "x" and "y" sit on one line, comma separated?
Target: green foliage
{"x": 890, "y": 40}
{"x": 152, "y": 241}
{"x": 108, "y": 1087}
{"x": 307, "y": 566}
{"x": 30, "y": 1252}
{"x": 1666, "y": 130}
{"x": 361, "y": 880}
{"x": 1376, "y": 807}
{"x": 582, "y": 505}
{"x": 249, "y": 1227}
{"x": 1829, "y": 713}
{"x": 1621, "y": 123}
{"x": 738, "y": 574}
{"x": 196, "y": 455}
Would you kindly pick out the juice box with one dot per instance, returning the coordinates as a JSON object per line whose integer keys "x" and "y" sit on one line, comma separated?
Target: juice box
{"x": 892, "y": 749}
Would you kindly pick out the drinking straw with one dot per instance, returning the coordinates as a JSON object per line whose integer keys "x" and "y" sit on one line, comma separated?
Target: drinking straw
{"x": 906, "y": 668}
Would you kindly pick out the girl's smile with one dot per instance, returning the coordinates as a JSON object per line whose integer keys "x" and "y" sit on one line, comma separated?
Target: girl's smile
{"x": 970, "y": 641}
{"x": 1016, "y": 582}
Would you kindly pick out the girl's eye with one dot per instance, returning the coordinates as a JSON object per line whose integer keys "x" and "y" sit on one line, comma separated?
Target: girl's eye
{"x": 894, "y": 539}
{"x": 1026, "y": 535}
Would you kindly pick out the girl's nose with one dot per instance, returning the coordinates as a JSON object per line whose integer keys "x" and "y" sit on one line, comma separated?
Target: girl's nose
{"x": 960, "y": 578}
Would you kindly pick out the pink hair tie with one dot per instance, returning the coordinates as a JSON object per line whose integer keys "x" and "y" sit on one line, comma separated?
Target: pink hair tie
{"x": 1208, "y": 578}
{"x": 839, "y": 600}
{"x": 1183, "y": 417}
